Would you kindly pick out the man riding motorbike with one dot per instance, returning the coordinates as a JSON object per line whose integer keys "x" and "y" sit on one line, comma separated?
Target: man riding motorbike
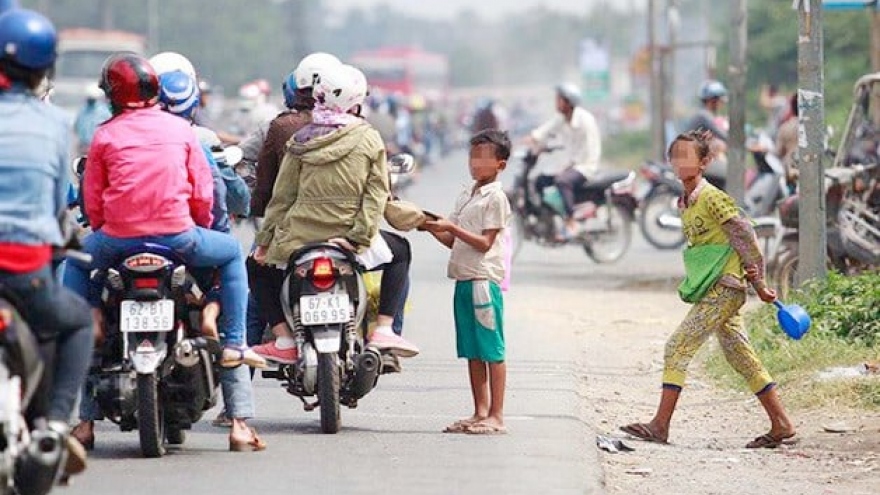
{"x": 34, "y": 147}
{"x": 149, "y": 158}
{"x": 579, "y": 132}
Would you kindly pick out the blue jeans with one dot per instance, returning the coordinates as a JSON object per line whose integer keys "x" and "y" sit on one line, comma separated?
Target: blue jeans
{"x": 54, "y": 313}
{"x": 198, "y": 247}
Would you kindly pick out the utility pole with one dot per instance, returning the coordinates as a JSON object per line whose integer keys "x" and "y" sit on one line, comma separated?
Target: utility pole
{"x": 673, "y": 21}
{"x": 812, "y": 240}
{"x": 153, "y": 25}
{"x": 875, "y": 39}
{"x": 656, "y": 106}
{"x": 736, "y": 163}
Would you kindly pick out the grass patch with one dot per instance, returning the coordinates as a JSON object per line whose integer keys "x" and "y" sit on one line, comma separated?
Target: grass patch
{"x": 845, "y": 332}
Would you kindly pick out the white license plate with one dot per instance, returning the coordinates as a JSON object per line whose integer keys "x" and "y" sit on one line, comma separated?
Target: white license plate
{"x": 146, "y": 316}
{"x": 324, "y": 309}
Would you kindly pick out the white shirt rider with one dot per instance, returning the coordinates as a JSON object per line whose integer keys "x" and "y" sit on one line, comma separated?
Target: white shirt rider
{"x": 579, "y": 136}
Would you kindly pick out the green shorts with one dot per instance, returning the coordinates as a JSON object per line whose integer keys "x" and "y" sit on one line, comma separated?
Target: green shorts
{"x": 479, "y": 320}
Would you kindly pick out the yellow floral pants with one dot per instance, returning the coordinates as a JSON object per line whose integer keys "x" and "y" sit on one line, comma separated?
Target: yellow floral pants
{"x": 719, "y": 313}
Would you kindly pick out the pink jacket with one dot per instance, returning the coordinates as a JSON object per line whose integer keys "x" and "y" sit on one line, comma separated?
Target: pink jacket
{"x": 146, "y": 174}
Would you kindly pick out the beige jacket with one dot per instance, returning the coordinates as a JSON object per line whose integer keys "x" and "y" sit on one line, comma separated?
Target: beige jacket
{"x": 334, "y": 185}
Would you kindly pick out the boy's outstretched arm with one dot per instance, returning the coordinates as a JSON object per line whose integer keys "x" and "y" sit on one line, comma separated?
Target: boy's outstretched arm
{"x": 482, "y": 242}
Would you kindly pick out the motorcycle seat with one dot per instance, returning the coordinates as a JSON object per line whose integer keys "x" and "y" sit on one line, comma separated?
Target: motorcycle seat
{"x": 603, "y": 180}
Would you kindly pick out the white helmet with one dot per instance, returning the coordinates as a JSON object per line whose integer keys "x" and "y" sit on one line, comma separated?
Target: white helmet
{"x": 312, "y": 67}
{"x": 341, "y": 88}
{"x": 171, "y": 61}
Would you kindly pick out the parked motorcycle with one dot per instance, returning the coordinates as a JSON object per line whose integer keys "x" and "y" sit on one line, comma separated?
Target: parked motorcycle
{"x": 325, "y": 300}
{"x": 604, "y": 209}
{"x": 852, "y": 206}
{"x": 154, "y": 371}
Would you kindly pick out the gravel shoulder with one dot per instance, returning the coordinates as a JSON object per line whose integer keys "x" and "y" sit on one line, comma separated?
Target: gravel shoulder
{"x": 621, "y": 363}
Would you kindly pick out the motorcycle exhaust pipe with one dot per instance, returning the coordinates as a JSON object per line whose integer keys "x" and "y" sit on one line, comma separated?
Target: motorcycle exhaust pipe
{"x": 366, "y": 373}
{"x": 37, "y": 468}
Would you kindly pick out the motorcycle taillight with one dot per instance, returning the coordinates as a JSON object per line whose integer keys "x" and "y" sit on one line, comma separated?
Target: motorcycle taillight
{"x": 322, "y": 273}
{"x": 146, "y": 283}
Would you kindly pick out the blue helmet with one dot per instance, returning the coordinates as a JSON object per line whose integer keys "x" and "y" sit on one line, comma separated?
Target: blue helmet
{"x": 711, "y": 89}
{"x": 288, "y": 88}
{"x": 178, "y": 93}
{"x": 27, "y": 39}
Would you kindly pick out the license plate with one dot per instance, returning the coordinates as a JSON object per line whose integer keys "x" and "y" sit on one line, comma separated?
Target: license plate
{"x": 146, "y": 316}
{"x": 324, "y": 309}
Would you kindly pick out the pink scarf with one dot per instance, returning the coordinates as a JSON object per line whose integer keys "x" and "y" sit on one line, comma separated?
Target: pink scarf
{"x": 324, "y": 116}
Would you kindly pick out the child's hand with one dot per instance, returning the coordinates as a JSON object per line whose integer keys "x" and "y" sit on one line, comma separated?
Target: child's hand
{"x": 766, "y": 294}
{"x": 438, "y": 225}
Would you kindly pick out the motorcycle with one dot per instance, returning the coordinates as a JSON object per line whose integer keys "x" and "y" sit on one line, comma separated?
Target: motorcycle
{"x": 325, "y": 302}
{"x": 154, "y": 371}
{"x": 32, "y": 456}
{"x": 604, "y": 209}
{"x": 852, "y": 199}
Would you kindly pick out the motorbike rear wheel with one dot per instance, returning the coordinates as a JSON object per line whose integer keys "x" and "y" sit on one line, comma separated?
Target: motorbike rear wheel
{"x": 611, "y": 242}
{"x": 660, "y": 201}
{"x": 151, "y": 423}
{"x": 328, "y": 392}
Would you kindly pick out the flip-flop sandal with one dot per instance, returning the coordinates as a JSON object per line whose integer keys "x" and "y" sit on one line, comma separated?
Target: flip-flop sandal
{"x": 485, "y": 429}
{"x": 643, "y": 432}
{"x": 459, "y": 426}
{"x": 254, "y": 361}
{"x": 768, "y": 441}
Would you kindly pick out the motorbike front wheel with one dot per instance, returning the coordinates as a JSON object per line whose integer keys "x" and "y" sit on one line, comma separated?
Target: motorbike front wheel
{"x": 328, "y": 392}
{"x": 149, "y": 414}
{"x": 608, "y": 235}
{"x": 660, "y": 203}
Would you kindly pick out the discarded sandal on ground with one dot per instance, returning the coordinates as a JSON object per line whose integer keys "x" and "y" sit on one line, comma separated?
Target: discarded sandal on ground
{"x": 643, "y": 432}
{"x": 768, "y": 441}
{"x": 252, "y": 444}
{"x": 485, "y": 429}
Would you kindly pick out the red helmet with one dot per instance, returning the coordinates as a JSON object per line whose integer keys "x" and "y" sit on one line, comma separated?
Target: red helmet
{"x": 129, "y": 81}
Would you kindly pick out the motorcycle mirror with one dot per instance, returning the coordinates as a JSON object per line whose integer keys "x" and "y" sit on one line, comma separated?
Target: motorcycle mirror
{"x": 78, "y": 166}
{"x": 401, "y": 163}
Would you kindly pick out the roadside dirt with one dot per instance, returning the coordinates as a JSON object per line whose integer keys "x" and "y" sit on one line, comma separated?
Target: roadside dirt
{"x": 621, "y": 364}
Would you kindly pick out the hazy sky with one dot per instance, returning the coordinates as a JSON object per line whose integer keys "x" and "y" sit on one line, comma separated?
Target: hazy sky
{"x": 448, "y": 8}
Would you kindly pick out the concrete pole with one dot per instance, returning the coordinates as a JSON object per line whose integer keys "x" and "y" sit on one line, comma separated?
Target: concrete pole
{"x": 736, "y": 153}
{"x": 811, "y": 134}
{"x": 153, "y": 26}
{"x": 656, "y": 104}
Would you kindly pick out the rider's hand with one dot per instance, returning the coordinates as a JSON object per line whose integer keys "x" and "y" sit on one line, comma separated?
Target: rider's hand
{"x": 343, "y": 243}
{"x": 260, "y": 254}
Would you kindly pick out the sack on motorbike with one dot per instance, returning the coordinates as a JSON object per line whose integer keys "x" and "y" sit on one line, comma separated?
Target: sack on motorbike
{"x": 403, "y": 215}
{"x": 703, "y": 266}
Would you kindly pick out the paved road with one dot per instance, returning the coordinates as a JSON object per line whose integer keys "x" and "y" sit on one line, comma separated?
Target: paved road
{"x": 392, "y": 442}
